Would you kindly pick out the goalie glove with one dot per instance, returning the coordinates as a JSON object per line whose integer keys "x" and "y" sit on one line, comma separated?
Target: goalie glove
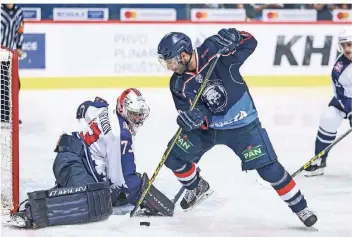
{"x": 82, "y": 108}
{"x": 99, "y": 99}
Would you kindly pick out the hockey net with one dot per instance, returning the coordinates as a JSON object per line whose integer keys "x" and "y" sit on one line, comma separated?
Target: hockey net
{"x": 9, "y": 131}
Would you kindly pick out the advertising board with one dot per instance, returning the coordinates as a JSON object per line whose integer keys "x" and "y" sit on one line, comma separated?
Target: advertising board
{"x": 117, "y": 51}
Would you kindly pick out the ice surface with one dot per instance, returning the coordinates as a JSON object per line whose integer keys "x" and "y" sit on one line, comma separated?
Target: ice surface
{"x": 240, "y": 206}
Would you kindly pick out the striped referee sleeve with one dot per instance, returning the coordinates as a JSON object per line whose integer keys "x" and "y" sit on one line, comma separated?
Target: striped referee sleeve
{"x": 12, "y": 27}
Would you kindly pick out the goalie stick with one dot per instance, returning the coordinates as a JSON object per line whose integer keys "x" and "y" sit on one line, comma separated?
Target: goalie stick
{"x": 306, "y": 165}
{"x": 167, "y": 153}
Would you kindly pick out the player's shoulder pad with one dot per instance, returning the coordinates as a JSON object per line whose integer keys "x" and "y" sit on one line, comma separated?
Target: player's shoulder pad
{"x": 176, "y": 83}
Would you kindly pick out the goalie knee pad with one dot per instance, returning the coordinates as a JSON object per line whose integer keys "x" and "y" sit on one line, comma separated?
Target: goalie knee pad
{"x": 65, "y": 206}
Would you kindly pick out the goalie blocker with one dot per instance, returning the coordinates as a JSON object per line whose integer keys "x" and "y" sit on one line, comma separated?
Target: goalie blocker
{"x": 90, "y": 203}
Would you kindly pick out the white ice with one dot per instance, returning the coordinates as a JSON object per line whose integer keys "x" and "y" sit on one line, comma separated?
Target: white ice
{"x": 240, "y": 206}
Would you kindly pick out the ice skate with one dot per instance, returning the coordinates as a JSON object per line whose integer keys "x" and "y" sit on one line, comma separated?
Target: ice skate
{"x": 307, "y": 217}
{"x": 195, "y": 196}
{"x": 20, "y": 219}
{"x": 316, "y": 169}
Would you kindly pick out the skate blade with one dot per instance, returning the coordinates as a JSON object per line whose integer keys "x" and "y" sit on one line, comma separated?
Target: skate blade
{"x": 16, "y": 221}
{"x": 200, "y": 199}
{"x": 314, "y": 173}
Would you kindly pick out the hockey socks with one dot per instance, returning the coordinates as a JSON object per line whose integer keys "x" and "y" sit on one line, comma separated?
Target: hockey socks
{"x": 284, "y": 186}
{"x": 323, "y": 140}
{"x": 188, "y": 176}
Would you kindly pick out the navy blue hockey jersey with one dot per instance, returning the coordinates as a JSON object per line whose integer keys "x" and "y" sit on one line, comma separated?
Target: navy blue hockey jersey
{"x": 226, "y": 98}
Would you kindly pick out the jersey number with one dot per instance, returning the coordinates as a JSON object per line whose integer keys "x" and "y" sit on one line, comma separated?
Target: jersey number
{"x": 90, "y": 138}
{"x": 124, "y": 143}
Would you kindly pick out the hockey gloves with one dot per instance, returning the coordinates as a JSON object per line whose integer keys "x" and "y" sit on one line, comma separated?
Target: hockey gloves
{"x": 350, "y": 118}
{"x": 101, "y": 100}
{"x": 82, "y": 108}
{"x": 192, "y": 119}
{"x": 228, "y": 39}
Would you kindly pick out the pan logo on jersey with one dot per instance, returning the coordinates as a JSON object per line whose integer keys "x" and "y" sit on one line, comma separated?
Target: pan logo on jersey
{"x": 215, "y": 96}
{"x": 252, "y": 153}
{"x": 183, "y": 143}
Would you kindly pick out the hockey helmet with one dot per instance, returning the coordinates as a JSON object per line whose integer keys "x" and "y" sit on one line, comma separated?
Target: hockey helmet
{"x": 132, "y": 106}
{"x": 169, "y": 51}
{"x": 345, "y": 42}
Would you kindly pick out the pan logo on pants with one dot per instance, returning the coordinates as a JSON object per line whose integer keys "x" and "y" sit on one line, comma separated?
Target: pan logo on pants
{"x": 252, "y": 153}
{"x": 183, "y": 143}
{"x": 215, "y": 96}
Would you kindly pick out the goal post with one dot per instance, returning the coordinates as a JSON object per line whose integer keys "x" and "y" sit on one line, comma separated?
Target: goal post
{"x": 9, "y": 131}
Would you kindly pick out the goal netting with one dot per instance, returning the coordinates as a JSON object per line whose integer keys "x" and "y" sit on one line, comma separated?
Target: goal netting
{"x": 9, "y": 131}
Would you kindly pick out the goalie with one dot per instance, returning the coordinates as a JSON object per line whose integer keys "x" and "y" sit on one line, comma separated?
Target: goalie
{"x": 95, "y": 169}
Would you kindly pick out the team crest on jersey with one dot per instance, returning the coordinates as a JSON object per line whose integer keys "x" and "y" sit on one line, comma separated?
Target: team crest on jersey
{"x": 199, "y": 78}
{"x": 125, "y": 126}
{"x": 215, "y": 96}
{"x": 338, "y": 66}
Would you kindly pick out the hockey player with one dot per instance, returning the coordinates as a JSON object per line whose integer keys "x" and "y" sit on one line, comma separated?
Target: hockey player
{"x": 340, "y": 107}
{"x": 94, "y": 167}
{"x": 225, "y": 114}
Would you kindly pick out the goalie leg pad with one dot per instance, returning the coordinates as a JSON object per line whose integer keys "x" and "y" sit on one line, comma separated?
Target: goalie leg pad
{"x": 65, "y": 206}
{"x": 72, "y": 166}
{"x": 155, "y": 201}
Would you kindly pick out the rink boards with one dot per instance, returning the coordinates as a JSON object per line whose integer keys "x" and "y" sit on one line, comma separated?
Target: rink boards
{"x": 120, "y": 54}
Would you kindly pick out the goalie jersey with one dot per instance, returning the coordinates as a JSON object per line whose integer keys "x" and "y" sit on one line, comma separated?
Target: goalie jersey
{"x": 342, "y": 81}
{"x": 110, "y": 153}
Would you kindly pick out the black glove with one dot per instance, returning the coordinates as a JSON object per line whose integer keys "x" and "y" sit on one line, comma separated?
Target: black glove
{"x": 192, "y": 119}
{"x": 229, "y": 39}
{"x": 98, "y": 99}
{"x": 350, "y": 118}
{"x": 82, "y": 109}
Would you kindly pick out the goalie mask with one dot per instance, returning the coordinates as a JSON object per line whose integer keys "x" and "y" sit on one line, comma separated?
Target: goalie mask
{"x": 345, "y": 42}
{"x": 132, "y": 106}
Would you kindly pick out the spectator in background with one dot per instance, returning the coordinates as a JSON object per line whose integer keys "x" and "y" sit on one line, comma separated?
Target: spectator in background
{"x": 211, "y": 6}
{"x": 254, "y": 11}
{"x": 343, "y": 6}
{"x": 323, "y": 11}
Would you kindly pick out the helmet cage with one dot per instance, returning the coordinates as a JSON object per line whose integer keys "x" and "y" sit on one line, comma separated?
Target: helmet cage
{"x": 133, "y": 107}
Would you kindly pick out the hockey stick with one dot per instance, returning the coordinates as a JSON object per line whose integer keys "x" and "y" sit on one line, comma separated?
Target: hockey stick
{"x": 167, "y": 153}
{"x": 306, "y": 165}
{"x": 178, "y": 195}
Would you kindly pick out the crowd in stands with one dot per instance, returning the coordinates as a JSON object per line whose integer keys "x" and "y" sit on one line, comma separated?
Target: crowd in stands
{"x": 254, "y": 11}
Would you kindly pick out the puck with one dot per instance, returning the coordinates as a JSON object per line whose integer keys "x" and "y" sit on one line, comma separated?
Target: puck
{"x": 146, "y": 223}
